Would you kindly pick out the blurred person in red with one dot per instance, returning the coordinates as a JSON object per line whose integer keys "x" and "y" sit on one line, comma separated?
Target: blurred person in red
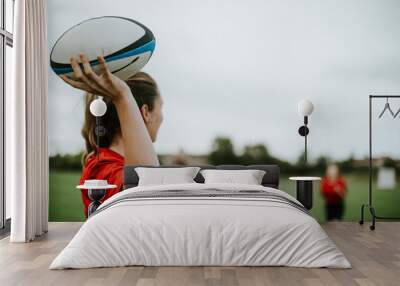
{"x": 334, "y": 190}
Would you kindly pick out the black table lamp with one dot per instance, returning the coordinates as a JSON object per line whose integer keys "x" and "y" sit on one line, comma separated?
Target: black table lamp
{"x": 305, "y": 108}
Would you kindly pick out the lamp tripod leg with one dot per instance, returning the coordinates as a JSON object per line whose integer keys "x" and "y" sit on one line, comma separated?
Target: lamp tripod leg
{"x": 305, "y": 148}
{"x": 361, "y": 222}
{"x": 372, "y": 211}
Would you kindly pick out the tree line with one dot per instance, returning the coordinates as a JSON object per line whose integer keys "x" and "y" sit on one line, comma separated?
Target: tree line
{"x": 223, "y": 152}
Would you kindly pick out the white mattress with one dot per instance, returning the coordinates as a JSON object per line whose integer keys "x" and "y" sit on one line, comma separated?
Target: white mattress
{"x": 191, "y": 231}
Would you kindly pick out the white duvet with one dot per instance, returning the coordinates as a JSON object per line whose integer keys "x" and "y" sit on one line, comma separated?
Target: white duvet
{"x": 200, "y": 231}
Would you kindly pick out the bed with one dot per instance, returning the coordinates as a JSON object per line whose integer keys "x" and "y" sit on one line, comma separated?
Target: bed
{"x": 201, "y": 224}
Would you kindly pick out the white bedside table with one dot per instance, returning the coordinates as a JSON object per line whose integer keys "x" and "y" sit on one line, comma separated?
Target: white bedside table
{"x": 304, "y": 190}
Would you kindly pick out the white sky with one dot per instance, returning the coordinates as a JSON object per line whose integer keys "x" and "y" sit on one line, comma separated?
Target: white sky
{"x": 238, "y": 69}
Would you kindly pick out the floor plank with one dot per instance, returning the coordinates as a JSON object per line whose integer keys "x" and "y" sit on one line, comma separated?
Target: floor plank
{"x": 374, "y": 255}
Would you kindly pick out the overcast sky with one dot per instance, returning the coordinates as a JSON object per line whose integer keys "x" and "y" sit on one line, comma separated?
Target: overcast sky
{"x": 238, "y": 69}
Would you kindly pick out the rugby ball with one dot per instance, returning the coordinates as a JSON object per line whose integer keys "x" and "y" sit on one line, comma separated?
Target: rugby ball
{"x": 125, "y": 44}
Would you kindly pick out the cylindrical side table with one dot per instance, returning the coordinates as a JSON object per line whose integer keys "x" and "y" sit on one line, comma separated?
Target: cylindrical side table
{"x": 304, "y": 190}
{"x": 97, "y": 190}
{"x": 95, "y": 195}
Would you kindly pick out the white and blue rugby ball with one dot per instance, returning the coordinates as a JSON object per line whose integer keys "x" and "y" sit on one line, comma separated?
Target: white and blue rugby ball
{"x": 125, "y": 44}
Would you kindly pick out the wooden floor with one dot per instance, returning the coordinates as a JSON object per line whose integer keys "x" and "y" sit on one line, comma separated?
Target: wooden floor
{"x": 375, "y": 257}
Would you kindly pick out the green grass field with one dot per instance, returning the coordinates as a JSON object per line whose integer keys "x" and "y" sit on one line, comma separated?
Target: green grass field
{"x": 65, "y": 202}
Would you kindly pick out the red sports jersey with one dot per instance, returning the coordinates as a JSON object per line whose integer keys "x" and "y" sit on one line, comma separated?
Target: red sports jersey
{"x": 108, "y": 167}
{"x": 333, "y": 190}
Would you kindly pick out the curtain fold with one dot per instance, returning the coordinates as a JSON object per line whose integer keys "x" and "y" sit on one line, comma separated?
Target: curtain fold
{"x": 26, "y": 123}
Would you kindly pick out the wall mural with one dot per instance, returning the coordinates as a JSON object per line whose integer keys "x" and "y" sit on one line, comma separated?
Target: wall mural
{"x": 192, "y": 82}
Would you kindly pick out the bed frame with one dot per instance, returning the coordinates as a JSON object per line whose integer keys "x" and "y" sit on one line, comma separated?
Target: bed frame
{"x": 270, "y": 179}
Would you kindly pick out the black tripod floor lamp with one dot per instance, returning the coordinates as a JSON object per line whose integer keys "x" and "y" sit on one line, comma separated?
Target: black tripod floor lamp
{"x": 304, "y": 184}
{"x": 305, "y": 108}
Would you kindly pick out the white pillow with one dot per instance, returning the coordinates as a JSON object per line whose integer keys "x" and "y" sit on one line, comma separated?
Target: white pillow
{"x": 164, "y": 176}
{"x": 248, "y": 177}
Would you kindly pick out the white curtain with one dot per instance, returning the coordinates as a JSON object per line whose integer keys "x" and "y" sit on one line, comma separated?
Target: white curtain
{"x": 26, "y": 123}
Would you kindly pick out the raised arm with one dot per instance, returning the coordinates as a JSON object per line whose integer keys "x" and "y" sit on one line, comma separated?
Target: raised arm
{"x": 138, "y": 148}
